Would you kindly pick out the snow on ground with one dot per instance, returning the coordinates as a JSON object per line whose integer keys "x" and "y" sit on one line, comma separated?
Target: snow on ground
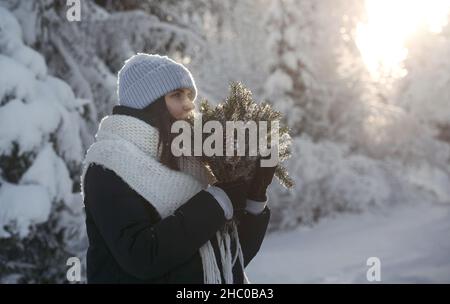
{"x": 411, "y": 241}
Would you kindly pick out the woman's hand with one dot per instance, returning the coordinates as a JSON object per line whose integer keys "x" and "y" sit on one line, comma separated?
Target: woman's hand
{"x": 236, "y": 192}
{"x": 261, "y": 180}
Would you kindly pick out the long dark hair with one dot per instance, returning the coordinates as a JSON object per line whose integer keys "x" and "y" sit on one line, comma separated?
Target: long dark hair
{"x": 157, "y": 115}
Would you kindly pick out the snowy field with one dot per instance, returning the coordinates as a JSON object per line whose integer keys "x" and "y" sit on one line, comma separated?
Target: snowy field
{"x": 412, "y": 243}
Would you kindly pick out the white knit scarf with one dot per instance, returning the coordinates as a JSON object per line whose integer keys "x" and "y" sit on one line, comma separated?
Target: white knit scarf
{"x": 129, "y": 147}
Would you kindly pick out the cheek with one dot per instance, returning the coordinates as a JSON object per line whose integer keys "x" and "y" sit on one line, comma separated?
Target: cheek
{"x": 174, "y": 108}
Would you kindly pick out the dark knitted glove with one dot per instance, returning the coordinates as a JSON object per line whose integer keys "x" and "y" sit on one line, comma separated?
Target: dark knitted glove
{"x": 261, "y": 180}
{"x": 237, "y": 193}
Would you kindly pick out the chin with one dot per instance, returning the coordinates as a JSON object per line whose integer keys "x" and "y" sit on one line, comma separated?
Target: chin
{"x": 187, "y": 115}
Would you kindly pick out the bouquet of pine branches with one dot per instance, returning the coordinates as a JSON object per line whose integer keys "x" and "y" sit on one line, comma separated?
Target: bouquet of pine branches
{"x": 239, "y": 106}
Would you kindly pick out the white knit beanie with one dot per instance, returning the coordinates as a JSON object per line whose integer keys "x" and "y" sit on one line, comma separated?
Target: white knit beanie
{"x": 146, "y": 77}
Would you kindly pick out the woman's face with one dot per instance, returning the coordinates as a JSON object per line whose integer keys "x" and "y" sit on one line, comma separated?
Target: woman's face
{"x": 180, "y": 103}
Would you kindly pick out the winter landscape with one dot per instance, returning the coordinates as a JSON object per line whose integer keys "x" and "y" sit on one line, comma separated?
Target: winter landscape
{"x": 364, "y": 86}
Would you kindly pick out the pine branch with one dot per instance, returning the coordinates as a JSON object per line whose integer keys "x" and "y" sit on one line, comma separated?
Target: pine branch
{"x": 240, "y": 106}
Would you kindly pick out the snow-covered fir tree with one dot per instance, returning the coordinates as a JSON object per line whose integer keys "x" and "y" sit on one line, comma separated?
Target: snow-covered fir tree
{"x": 40, "y": 153}
{"x": 294, "y": 34}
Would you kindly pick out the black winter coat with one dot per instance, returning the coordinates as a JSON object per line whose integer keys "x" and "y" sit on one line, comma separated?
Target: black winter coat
{"x": 130, "y": 243}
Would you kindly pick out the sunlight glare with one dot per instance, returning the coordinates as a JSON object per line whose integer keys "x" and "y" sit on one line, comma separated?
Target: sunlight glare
{"x": 382, "y": 36}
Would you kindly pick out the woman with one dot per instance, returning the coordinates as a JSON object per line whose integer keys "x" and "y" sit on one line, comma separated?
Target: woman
{"x": 155, "y": 218}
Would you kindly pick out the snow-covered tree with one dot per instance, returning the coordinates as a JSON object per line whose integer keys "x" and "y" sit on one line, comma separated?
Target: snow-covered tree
{"x": 233, "y": 45}
{"x": 88, "y": 54}
{"x": 40, "y": 153}
{"x": 331, "y": 178}
{"x": 363, "y": 136}
{"x": 426, "y": 88}
{"x": 297, "y": 37}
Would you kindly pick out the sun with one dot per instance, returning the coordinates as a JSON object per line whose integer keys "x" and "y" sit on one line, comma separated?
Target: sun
{"x": 381, "y": 37}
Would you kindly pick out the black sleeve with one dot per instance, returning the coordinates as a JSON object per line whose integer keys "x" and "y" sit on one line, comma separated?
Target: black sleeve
{"x": 142, "y": 247}
{"x": 252, "y": 229}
